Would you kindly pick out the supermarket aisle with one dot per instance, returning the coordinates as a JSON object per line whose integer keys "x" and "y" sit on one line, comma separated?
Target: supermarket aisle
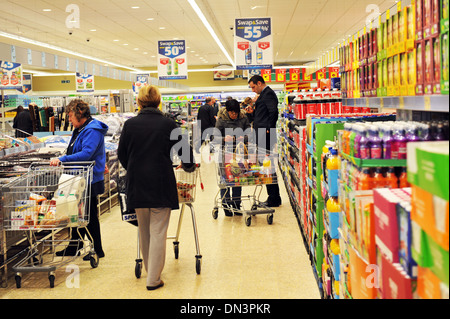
{"x": 261, "y": 261}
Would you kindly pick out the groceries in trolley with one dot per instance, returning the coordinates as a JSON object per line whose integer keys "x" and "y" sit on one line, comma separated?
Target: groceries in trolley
{"x": 62, "y": 205}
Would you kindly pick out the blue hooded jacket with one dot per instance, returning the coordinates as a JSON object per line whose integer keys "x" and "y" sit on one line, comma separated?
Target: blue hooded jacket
{"x": 90, "y": 146}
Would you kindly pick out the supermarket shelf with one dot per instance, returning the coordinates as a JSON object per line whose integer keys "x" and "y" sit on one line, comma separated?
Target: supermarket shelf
{"x": 431, "y": 103}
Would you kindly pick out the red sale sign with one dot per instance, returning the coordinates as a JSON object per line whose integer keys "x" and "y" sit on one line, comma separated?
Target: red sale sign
{"x": 164, "y": 61}
{"x": 243, "y": 45}
{"x": 264, "y": 45}
{"x": 180, "y": 61}
{"x": 294, "y": 75}
{"x": 267, "y": 75}
{"x": 280, "y": 75}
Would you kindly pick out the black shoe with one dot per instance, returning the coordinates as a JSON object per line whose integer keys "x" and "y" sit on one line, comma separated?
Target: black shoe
{"x": 156, "y": 287}
{"x": 270, "y": 203}
{"x": 88, "y": 256}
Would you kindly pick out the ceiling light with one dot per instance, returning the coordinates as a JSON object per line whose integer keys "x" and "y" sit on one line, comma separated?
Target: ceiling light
{"x": 116, "y": 40}
{"x": 210, "y": 29}
{"x": 125, "y": 44}
{"x": 93, "y": 30}
{"x": 59, "y": 49}
{"x": 162, "y": 28}
{"x": 135, "y": 7}
{"x": 150, "y": 19}
{"x": 135, "y": 49}
{"x": 47, "y": 10}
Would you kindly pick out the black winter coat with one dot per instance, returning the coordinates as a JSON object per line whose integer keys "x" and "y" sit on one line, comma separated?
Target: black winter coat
{"x": 206, "y": 116}
{"x": 145, "y": 152}
{"x": 23, "y": 122}
{"x": 266, "y": 110}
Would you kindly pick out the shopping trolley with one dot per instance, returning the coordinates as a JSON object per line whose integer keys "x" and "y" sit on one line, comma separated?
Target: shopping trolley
{"x": 49, "y": 198}
{"x": 186, "y": 186}
{"x": 244, "y": 165}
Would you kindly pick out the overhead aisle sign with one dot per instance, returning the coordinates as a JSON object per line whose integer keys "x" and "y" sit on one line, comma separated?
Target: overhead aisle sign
{"x": 84, "y": 82}
{"x": 11, "y": 76}
{"x": 253, "y": 43}
{"x": 172, "y": 60}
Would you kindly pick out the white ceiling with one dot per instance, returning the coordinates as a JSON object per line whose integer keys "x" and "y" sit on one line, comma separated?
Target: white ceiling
{"x": 302, "y": 30}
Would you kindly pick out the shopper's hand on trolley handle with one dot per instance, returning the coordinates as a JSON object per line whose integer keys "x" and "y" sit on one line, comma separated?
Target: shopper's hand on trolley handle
{"x": 55, "y": 161}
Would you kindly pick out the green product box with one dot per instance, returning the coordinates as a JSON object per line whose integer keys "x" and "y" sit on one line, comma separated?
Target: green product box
{"x": 444, "y": 63}
{"x": 428, "y": 167}
{"x": 319, "y": 256}
{"x": 444, "y": 16}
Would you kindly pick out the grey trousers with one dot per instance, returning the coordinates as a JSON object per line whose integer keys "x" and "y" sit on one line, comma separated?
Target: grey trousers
{"x": 153, "y": 225}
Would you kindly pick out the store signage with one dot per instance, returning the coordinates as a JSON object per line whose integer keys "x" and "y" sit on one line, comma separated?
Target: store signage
{"x": 280, "y": 75}
{"x": 294, "y": 75}
{"x": 267, "y": 75}
{"x": 172, "y": 60}
{"x": 11, "y": 76}
{"x": 141, "y": 81}
{"x": 85, "y": 82}
{"x": 253, "y": 43}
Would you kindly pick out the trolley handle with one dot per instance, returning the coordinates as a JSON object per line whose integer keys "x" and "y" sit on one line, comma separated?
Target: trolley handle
{"x": 47, "y": 163}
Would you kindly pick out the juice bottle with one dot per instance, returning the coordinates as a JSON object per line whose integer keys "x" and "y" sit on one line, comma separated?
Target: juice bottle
{"x": 398, "y": 149}
{"x": 325, "y": 153}
{"x": 346, "y": 138}
{"x": 391, "y": 178}
{"x": 351, "y": 138}
{"x": 412, "y": 133}
{"x": 365, "y": 180}
{"x": 364, "y": 150}
{"x": 387, "y": 142}
{"x": 425, "y": 134}
{"x": 402, "y": 180}
{"x": 375, "y": 143}
{"x": 333, "y": 205}
{"x": 440, "y": 134}
{"x": 333, "y": 160}
{"x": 379, "y": 180}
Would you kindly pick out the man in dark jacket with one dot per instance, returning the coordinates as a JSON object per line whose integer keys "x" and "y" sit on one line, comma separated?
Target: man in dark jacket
{"x": 264, "y": 123}
{"x": 206, "y": 119}
{"x": 23, "y": 123}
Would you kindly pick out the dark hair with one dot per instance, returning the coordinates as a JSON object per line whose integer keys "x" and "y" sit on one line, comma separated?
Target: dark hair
{"x": 207, "y": 100}
{"x": 233, "y": 106}
{"x": 19, "y": 109}
{"x": 257, "y": 78}
{"x": 79, "y": 108}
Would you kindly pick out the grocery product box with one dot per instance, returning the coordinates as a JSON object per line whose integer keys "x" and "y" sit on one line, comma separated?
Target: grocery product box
{"x": 405, "y": 239}
{"x": 395, "y": 282}
{"x": 362, "y": 276}
{"x": 428, "y": 285}
{"x": 427, "y": 17}
{"x": 386, "y": 222}
{"x": 419, "y": 19}
{"x": 420, "y": 67}
{"x": 444, "y": 62}
{"x": 444, "y": 22}
{"x": 433, "y": 160}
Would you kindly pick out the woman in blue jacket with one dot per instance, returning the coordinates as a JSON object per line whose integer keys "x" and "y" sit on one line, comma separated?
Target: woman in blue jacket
{"x": 87, "y": 144}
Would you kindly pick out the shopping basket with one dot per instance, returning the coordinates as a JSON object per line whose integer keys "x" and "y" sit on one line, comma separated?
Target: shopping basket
{"x": 244, "y": 165}
{"x": 49, "y": 198}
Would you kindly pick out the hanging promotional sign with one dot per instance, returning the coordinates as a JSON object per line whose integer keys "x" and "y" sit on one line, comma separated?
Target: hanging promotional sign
{"x": 85, "y": 82}
{"x": 141, "y": 81}
{"x": 11, "y": 76}
{"x": 172, "y": 60}
{"x": 267, "y": 75}
{"x": 253, "y": 43}
{"x": 280, "y": 75}
{"x": 294, "y": 75}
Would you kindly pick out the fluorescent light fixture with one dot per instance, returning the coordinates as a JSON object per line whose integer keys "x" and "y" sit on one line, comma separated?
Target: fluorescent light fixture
{"x": 211, "y": 31}
{"x": 62, "y": 50}
{"x": 150, "y": 19}
{"x": 47, "y": 10}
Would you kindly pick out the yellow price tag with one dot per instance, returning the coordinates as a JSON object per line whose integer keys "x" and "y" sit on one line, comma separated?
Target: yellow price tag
{"x": 427, "y": 102}
{"x": 401, "y": 102}
{"x": 388, "y": 14}
{"x": 367, "y": 102}
{"x": 399, "y": 6}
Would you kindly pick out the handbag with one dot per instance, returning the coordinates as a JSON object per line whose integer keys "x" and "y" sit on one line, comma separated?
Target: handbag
{"x": 128, "y": 215}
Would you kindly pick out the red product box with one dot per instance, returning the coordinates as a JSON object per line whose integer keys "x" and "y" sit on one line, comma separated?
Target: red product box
{"x": 419, "y": 19}
{"x": 428, "y": 66}
{"x": 435, "y": 18}
{"x": 420, "y": 67}
{"x": 386, "y": 225}
{"x": 311, "y": 108}
{"x": 395, "y": 282}
{"x": 427, "y": 18}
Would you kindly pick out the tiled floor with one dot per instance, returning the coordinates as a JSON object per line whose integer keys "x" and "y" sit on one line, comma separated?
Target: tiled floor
{"x": 260, "y": 261}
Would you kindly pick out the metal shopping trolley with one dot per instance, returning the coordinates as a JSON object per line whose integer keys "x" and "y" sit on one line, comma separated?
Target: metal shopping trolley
{"x": 186, "y": 186}
{"x": 49, "y": 198}
{"x": 244, "y": 166}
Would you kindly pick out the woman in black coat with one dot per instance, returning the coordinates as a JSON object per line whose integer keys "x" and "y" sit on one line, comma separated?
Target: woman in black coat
{"x": 23, "y": 122}
{"x": 145, "y": 150}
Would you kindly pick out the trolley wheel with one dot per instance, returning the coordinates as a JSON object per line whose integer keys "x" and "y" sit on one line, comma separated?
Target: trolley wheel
{"x": 18, "y": 281}
{"x": 254, "y": 207}
{"x": 176, "y": 248}
{"x": 138, "y": 268}
{"x": 93, "y": 259}
{"x": 215, "y": 212}
{"x": 51, "y": 278}
{"x": 270, "y": 219}
{"x": 248, "y": 220}
{"x": 198, "y": 264}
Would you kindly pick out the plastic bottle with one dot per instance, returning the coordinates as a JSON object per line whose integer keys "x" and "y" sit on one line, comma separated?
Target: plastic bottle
{"x": 412, "y": 133}
{"x": 355, "y": 150}
{"x": 379, "y": 180}
{"x": 61, "y": 206}
{"x": 346, "y": 138}
{"x": 391, "y": 178}
{"x": 387, "y": 141}
{"x": 324, "y": 157}
{"x": 399, "y": 149}
{"x": 365, "y": 180}
{"x": 440, "y": 134}
{"x": 425, "y": 134}
{"x": 375, "y": 143}
{"x": 402, "y": 180}
{"x": 333, "y": 160}
{"x": 364, "y": 149}
{"x": 333, "y": 205}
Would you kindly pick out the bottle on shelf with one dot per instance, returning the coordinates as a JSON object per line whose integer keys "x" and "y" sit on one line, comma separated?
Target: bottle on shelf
{"x": 387, "y": 141}
{"x": 364, "y": 149}
{"x": 379, "y": 180}
{"x": 375, "y": 143}
{"x": 402, "y": 180}
{"x": 391, "y": 178}
{"x": 365, "y": 180}
{"x": 412, "y": 132}
{"x": 399, "y": 145}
